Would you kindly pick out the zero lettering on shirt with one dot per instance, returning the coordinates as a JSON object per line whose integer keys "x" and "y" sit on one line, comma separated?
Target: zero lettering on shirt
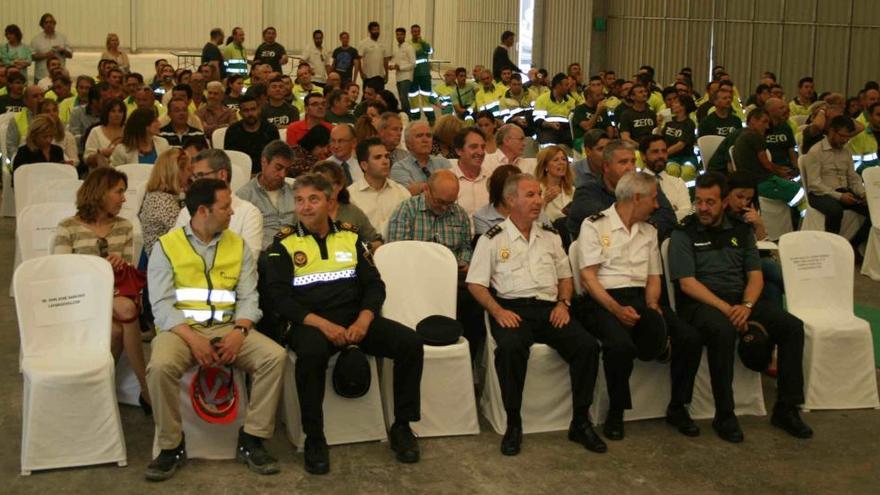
{"x": 724, "y": 131}
{"x": 776, "y": 139}
{"x": 643, "y": 123}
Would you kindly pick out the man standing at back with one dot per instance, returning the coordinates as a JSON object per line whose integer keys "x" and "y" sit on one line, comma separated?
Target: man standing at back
{"x": 502, "y": 57}
{"x": 318, "y": 57}
{"x": 373, "y": 58}
{"x": 211, "y": 52}
{"x": 403, "y": 61}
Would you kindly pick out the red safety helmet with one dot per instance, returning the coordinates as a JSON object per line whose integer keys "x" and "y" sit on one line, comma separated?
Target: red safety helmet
{"x": 214, "y": 394}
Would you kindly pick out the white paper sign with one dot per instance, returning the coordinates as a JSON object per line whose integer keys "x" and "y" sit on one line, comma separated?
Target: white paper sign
{"x": 63, "y": 300}
{"x": 40, "y": 238}
{"x": 815, "y": 265}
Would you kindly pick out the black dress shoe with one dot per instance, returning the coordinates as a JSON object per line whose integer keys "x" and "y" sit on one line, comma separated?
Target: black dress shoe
{"x": 681, "y": 420}
{"x": 166, "y": 463}
{"x": 403, "y": 443}
{"x": 252, "y": 452}
{"x": 728, "y": 429}
{"x": 613, "y": 428}
{"x": 317, "y": 455}
{"x": 512, "y": 441}
{"x": 788, "y": 419}
{"x": 586, "y": 436}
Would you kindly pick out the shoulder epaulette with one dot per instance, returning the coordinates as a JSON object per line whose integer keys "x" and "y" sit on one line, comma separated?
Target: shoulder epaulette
{"x": 595, "y": 217}
{"x": 549, "y": 228}
{"x": 494, "y": 231}
{"x": 347, "y": 226}
{"x": 284, "y": 232}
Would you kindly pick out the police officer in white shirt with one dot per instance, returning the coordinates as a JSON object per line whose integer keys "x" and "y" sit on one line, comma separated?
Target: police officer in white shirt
{"x": 653, "y": 149}
{"x": 524, "y": 263}
{"x": 620, "y": 270}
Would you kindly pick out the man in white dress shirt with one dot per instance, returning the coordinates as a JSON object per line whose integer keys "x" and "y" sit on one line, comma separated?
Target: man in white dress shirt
{"x": 318, "y": 58}
{"x": 247, "y": 221}
{"x": 375, "y": 193}
{"x": 511, "y": 143}
{"x": 653, "y": 149}
{"x": 473, "y": 192}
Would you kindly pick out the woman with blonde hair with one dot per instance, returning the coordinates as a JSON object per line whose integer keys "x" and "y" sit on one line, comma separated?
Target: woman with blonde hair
{"x": 445, "y": 129}
{"x": 168, "y": 182}
{"x": 556, "y": 178}
{"x": 63, "y": 138}
{"x": 112, "y": 52}
{"x": 97, "y": 229}
{"x": 38, "y": 145}
{"x": 140, "y": 139}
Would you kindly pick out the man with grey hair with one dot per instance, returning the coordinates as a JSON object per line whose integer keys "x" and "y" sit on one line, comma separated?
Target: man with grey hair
{"x": 595, "y": 196}
{"x": 246, "y": 221}
{"x": 620, "y": 268}
{"x": 390, "y": 130}
{"x": 511, "y": 142}
{"x": 523, "y": 261}
{"x": 269, "y": 192}
{"x": 413, "y": 170}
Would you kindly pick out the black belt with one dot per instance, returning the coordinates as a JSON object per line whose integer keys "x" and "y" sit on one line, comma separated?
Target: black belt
{"x": 627, "y": 291}
{"x": 525, "y": 301}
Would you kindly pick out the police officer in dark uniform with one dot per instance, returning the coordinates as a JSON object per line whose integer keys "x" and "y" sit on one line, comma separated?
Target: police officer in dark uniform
{"x": 524, "y": 263}
{"x": 322, "y": 280}
{"x": 716, "y": 264}
{"x": 620, "y": 269}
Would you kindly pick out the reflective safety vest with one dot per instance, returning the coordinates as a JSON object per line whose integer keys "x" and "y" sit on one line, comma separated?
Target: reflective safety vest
{"x": 423, "y": 53}
{"x": 549, "y": 109}
{"x": 206, "y": 297}
{"x": 490, "y": 101}
{"x": 444, "y": 97}
{"x": 23, "y": 123}
{"x": 299, "y": 96}
{"x": 66, "y": 106}
{"x": 864, "y": 148}
{"x": 309, "y": 269}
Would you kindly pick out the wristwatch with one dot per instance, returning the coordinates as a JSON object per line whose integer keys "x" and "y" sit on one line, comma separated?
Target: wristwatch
{"x": 748, "y": 304}
{"x": 243, "y": 329}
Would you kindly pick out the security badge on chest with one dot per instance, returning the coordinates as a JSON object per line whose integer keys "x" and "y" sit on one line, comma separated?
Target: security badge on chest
{"x": 300, "y": 259}
{"x": 606, "y": 241}
{"x": 504, "y": 254}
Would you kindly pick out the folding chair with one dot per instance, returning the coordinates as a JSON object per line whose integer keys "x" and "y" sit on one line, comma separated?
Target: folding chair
{"x": 241, "y": 169}
{"x": 420, "y": 281}
{"x": 69, "y": 412}
{"x": 839, "y": 373}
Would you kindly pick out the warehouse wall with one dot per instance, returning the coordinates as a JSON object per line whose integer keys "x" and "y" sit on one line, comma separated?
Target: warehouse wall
{"x": 832, "y": 40}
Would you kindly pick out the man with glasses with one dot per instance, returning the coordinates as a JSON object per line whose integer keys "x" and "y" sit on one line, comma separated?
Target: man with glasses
{"x": 247, "y": 221}
{"x": 316, "y": 113}
{"x": 342, "y": 145}
{"x": 832, "y": 182}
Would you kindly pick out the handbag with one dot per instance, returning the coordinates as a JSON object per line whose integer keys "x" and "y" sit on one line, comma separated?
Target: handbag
{"x": 128, "y": 281}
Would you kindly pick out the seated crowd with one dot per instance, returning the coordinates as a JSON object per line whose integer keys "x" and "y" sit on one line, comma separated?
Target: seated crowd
{"x": 506, "y": 170}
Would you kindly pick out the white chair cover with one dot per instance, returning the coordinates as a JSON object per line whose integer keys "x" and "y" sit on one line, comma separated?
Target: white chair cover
{"x": 137, "y": 234}
{"x": 817, "y": 268}
{"x": 708, "y": 146}
{"x": 208, "y": 440}
{"x": 815, "y": 219}
{"x": 69, "y": 412}
{"x": 35, "y": 175}
{"x": 345, "y": 420}
{"x": 134, "y": 197}
{"x": 136, "y": 172}
{"x": 420, "y": 281}
{"x": 747, "y": 390}
{"x": 7, "y": 202}
{"x": 546, "y": 399}
{"x": 241, "y": 169}
{"x": 37, "y": 224}
{"x": 55, "y": 191}
{"x": 777, "y": 217}
{"x": 871, "y": 263}
{"x": 218, "y": 138}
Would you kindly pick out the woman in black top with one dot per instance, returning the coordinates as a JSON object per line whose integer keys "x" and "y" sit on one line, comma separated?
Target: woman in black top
{"x": 38, "y": 147}
{"x": 680, "y": 136}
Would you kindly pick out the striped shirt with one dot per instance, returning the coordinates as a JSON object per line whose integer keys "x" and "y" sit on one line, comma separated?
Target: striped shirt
{"x": 72, "y": 236}
{"x": 414, "y": 221}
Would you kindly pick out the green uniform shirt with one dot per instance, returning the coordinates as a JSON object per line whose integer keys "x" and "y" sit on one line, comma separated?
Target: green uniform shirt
{"x": 423, "y": 54}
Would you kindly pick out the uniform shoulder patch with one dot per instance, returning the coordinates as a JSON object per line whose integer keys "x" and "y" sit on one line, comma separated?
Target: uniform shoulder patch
{"x": 595, "y": 217}
{"x": 549, "y": 228}
{"x": 347, "y": 226}
{"x": 494, "y": 231}
{"x": 284, "y": 232}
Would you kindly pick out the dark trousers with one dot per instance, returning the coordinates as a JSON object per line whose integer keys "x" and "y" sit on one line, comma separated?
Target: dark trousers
{"x": 833, "y": 211}
{"x": 572, "y": 342}
{"x": 619, "y": 346}
{"x": 719, "y": 334}
{"x": 470, "y": 314}
{"x": 385, "y": 338}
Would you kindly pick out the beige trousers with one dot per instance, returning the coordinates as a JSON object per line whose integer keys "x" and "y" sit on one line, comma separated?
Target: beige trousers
{"x": 259, "y": 356}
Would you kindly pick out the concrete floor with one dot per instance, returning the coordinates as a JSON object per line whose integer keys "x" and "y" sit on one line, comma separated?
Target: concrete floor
{"x": 844, "y": 456}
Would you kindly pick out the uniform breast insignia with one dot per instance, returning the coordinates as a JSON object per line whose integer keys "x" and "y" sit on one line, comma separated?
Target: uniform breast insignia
{"x": 595, "y": 217}
{"x": 734, "y": 242}
{"x": 284, "y": 232}
{"x": 348, "y": 226}
{"x": 549, "y": 228}
{"x": 504, "y": 254}
{"x": 300, "y": 259}
{"x": 494, "y": 231}
{"x": 606, "y": 241}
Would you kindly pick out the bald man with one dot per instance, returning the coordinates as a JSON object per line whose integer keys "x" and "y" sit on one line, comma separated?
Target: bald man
{"x": 780, "y": 136}
{"x": 434, "y": 216}
{"x": 342, "y": 146}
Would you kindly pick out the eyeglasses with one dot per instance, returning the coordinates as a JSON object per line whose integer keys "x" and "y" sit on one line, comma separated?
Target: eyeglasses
{"x": 201, "y": 175}
{"x": 103, "y": 247}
